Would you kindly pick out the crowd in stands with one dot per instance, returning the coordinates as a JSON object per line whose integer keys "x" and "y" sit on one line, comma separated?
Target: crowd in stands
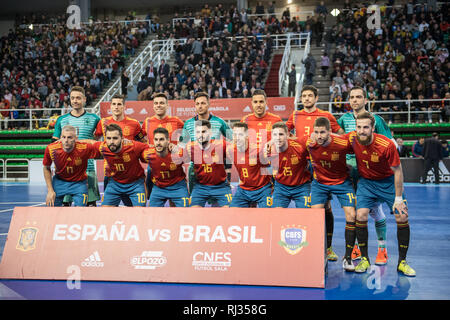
{"x": 233, "y": 62}
{"x": 406, "y": 59}
{"x": 42, "y": 58}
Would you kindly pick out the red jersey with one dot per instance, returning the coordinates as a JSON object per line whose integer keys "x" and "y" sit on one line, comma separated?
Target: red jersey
{"x": 261, "y": 127}
{"x": 208, "y": 164}
{"x": 303, "y": 122}
{"x": 131, "y": 128}
{"x": 166, "y": 171}
{"x": 169, "y": 122}
{"x": 375, "y": 160}
{"x": 290, "y": 167}
{"x": 329, "y": 163}
{"x": 69, "y": 166}
{"x": 124, "y": 166}
{"x": 249, "y": 166}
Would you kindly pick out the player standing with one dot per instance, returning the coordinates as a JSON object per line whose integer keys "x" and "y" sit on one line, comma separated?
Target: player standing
{"x": 381, "y": 180}
{"x": 290, "y": 169}
{"x": 331, "y": 176}
{"x": 85, "y": 123}
{"x": 167, "y": 172}
{"x": 255, "y": 183}
{"x": 207, "y": 156}
{"x": 71, "y": 160}
{"x": 303, "y": 122}
{"x": 357, "y": 98}
{"x": 260, "y": 121}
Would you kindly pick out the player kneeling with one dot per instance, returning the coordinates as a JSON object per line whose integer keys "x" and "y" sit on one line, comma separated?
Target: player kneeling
{"x": 71, "y": 160}
{"x": 167, "y": 175}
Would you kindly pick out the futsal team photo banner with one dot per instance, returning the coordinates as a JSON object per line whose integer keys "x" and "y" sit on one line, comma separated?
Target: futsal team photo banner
{"x": 276, "y": 247}
{"x": 227, "y": 109}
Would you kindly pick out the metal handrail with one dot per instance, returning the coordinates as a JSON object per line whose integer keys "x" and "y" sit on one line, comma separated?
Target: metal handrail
{"x": 302, "y": 69}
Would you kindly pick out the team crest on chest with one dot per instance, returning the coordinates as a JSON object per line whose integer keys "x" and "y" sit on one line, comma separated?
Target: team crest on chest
{"x": 294, "y": 159}
{"x": 126, "y": 131}
{"x": 78, "y": 161}
{"x": 335, "y": 156}
{"x": 172, "y": 166}
{"x": 126, "y": 157}
{"x": 375, "y": 157}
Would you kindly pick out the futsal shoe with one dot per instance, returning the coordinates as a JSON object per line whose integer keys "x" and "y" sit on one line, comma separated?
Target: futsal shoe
{"x": 363, "y": 265}
{"x": 356, "y": 253}
{"x": 404, "y": 268}
{"x": 347, "y": 264}
{"x": 331, "y": 256}
{"x": 382, "y": 257}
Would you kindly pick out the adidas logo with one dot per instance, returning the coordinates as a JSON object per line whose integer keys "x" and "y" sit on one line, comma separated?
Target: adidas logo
{"x": 93, "y": 261}
{"x": 247, "y": 109}
{"x": 143, "y": 111}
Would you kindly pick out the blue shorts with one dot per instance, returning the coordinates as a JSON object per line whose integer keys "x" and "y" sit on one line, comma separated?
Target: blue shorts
{"x": 201, "y": 193}
{"x": 243, "y": 198}
{"x": 178, "y": 193}
{"x": 115, "y": 191}
{"x": 78, "y": 190}
{"x": 321, "y": 193}
{"x": 371, "y": 192}
{"x": 283, "y": 194}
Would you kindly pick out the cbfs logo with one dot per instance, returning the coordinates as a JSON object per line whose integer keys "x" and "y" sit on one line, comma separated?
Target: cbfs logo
{"x": 293, "y": 239}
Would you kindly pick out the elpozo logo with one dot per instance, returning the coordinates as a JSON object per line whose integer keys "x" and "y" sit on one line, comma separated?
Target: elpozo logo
{"x": 149, "y": 260}
{"x": 293, "y": 239}
{"x": 27, "y": 239}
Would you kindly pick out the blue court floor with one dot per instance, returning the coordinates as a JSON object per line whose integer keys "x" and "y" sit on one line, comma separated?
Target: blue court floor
{"x": 428, "y": 255}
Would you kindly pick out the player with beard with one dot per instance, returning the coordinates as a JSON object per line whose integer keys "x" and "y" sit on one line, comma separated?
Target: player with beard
{"x": 123, "y": 167}
{"x": 357, "y": 99}
{"x": 290, "y": 169}
{"x": 130, "y": 127}
{"x": 331, "y": 177}
{"x": 260, "y": 121}
{"x": 167, "y": 172}
{"x": 207, "y": 156}
{"x": 71, "y": 160}
{"x": 302, "y": 122}
{"x": 381, "y": 180}
{"x": 255, "y": 182}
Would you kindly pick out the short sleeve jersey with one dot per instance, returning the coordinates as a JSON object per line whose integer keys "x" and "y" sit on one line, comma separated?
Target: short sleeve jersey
{"x": 260, "y": 129}
{"x": 131, "y": 128}
{"x": 85, "y": 124}
{"x": 303, "y": 122}
{"x": 173, "y": 124}
{"x": 329, "y": 163}
{"x": 375, "y": 160}
{"x": 124, "y": 166}
{"x": 248, "y": 165}
{"x": 69, "y": 166}
{"x": 209, "y": 165}
{"x": 290, "y": 167}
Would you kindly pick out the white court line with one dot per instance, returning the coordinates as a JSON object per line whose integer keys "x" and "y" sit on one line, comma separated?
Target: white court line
{"x": 20, "y": 202}
{"x": 34, "y": 205}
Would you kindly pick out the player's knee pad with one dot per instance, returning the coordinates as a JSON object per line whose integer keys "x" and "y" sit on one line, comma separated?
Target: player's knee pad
{"x": 377, "y": 213}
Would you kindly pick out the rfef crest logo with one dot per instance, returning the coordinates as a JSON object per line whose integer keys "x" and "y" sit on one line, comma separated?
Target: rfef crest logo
{"x": 293, "y": 239}
{"x": 27, "y": 239}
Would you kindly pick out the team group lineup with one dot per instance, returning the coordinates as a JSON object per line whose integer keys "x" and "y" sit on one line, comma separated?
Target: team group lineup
{"x": 306, "y": 160}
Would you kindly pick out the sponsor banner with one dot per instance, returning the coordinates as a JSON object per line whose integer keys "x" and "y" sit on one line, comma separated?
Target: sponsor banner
{"x": 413, "y": 169}
{"x": 191, "y": 245}
{"x": 227, "y": 109}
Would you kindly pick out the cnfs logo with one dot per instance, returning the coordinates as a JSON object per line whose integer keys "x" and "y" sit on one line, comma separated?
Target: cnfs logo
{"x": 293, "y": 239}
